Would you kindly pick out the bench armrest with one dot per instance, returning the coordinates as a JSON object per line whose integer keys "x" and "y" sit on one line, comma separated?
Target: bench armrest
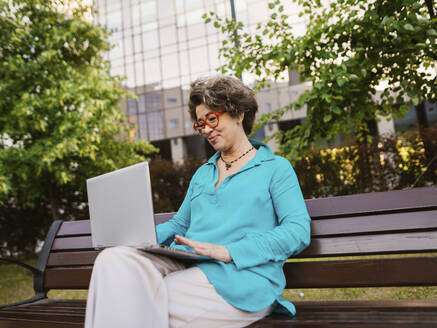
{"x": 37, "y": 274}
{"x": 24, "y": 265}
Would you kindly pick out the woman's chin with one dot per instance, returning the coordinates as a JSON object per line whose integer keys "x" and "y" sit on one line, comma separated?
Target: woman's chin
{"x": 216, "y": 144}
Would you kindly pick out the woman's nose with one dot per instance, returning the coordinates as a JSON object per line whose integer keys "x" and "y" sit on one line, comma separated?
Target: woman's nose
{"x": 207, "y": 130}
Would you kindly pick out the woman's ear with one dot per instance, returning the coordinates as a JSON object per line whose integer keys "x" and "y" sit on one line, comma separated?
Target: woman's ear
{"x": 241, "y": 118}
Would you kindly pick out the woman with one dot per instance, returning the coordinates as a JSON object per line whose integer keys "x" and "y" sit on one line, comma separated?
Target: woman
{"x": 243, "y": 208}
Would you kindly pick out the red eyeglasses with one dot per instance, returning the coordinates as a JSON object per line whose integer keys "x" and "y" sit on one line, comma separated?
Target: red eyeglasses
{"x": 211, "y": 119}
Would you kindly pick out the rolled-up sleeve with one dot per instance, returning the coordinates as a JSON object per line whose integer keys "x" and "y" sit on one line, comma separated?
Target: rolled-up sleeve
{"x": 290, "y": 236}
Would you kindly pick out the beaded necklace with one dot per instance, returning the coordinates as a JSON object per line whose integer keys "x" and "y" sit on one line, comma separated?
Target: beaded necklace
{"x": 229, "y": 164}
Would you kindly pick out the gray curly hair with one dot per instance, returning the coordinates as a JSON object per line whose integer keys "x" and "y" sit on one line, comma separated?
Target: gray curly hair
{"x": 224, "y": 93}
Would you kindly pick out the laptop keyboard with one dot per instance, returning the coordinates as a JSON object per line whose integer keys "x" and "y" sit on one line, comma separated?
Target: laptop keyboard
{"x": 175, "y": 249}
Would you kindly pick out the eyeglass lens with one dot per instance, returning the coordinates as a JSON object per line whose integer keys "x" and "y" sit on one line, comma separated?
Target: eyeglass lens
{"x": 211, "y": 119}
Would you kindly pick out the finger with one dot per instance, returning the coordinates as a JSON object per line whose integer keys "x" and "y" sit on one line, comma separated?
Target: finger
{"x": 185, "y": 241}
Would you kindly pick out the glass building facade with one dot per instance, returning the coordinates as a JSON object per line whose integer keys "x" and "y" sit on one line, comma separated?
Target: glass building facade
{"x": 163, "y": 45}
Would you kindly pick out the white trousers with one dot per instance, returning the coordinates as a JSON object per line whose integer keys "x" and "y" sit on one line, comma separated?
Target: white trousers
{"x": 134, "y": 289}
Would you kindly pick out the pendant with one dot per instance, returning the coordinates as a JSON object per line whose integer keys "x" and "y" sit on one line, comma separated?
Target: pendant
{"x": 227, "y": 166}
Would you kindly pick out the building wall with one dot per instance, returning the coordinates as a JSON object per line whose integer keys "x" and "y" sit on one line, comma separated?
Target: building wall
{"x": 161, "y": 46}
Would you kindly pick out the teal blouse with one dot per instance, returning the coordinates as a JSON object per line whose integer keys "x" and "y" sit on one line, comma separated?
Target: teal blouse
{"x": 258, "y": 214}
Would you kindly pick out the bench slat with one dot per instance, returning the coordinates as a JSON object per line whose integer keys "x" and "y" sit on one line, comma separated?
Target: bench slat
{"x": 45, "y": 316}
{"x": 25, "y": 323}
{"x": 397, "y": 200}
{"x": 389, "y": 243}
{"x": 67, "y": 278}
{"x": 351, "y": 319}
{"x": 405, "y": 271}
{"x": 324, "y": 227}
{"x": 366, "y": 305}
{"x": 403, "y": 313}
{"x": 82, "y": 227}
{"x": 72, "y": 258}
{"x": 409, "y": 221}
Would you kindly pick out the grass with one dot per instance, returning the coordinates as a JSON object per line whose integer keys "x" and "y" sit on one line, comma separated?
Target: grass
{"x": 384, "y": 293}
{"x": 16, "y": 284}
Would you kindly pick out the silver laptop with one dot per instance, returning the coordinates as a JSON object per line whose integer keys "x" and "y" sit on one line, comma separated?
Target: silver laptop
{"x": 121, "y": 212}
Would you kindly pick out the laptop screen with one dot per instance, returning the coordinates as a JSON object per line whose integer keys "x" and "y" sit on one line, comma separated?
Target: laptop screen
{"x": 121, "y": 207}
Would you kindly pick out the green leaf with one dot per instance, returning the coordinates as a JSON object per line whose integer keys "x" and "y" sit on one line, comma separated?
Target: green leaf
{"x": 271, "y": 5}
{"x": 404, "y": 108}
{"x": 431, "y": 32}
{"x": 340, "y": 81}
{"x": 327, "y": 118}
{"x": 216, "y": 25}
{"x": 415, "y": 100}
{"x": 386, "y": 20}
{"x": 409, "y": 27}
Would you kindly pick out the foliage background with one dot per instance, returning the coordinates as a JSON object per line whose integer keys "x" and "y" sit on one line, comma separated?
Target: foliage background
{"x": 60, "y": 120}
{"x": 349, "y": 48}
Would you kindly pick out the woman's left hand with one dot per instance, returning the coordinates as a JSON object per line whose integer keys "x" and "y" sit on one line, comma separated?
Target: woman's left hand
{"x": 217, "y": 252}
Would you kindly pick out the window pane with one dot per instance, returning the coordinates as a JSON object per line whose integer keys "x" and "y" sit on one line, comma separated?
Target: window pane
{"x": 139, "y": 73}
{"x": 117, "y": 71}
{"x": 258, "y": 12}
{"x": 131, "y": 106}
{"x": 142, "y": 126}
{"x": 170, "y": 66}
{"x": 182, "y": 33}
{"x": 168, "y": 35}
{"x": 136, "y": 14}
{"x": 150, "y": 40}
{"x": 156, "y": 125}
{"x": 152, "y": 69}
{"x": 193, "y": 4}
{"x": 114, "y": 20}
{"x": 214, "y": 56}
{"x": 166, "y": 8}
{"x": 142, "y": 103}
{"x": 128, "y": 46}
{"x": 198, "y": 60}
{"x": 130, "y": 74}
{"x": 127, "y": 16}
{"x": 184, "y": 64}
{"x": 148, "y": 11}
{"x": 137, "y": 44}
{"x": 117, "y": 51}
{"x": 173, "y": 123}
{"x": 112, "y": 5}
{"x": 169, "y": 49}
{"x": 196, "y": 31}
{"x": 153, "y": 102}
{"x": 171, "y": 83}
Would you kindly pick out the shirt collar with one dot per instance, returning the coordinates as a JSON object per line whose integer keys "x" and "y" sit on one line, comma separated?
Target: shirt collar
{"x": 264, "y": 153}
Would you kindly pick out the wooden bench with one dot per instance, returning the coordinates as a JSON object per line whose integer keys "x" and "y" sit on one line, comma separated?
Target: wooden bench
{"x": 397, "y": 222}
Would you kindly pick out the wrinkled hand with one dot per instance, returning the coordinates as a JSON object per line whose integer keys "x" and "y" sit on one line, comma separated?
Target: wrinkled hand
{"x": 217, "y": 252}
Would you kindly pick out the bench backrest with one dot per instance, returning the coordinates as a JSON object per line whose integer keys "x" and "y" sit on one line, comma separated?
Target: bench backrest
{"x": 396, "y": 222}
